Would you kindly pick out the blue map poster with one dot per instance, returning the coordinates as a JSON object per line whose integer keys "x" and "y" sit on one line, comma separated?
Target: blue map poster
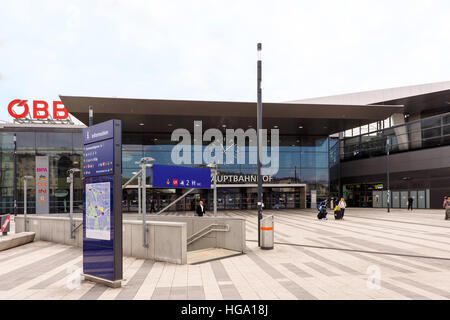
{"x": 98, "y": 211}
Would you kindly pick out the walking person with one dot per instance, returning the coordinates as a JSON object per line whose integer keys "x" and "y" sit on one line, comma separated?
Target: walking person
{"x": 342, "y": 205}
{"x": 200, "y": 209}
{"x": 446, "y": 206}
{"x": 410, "y": 203}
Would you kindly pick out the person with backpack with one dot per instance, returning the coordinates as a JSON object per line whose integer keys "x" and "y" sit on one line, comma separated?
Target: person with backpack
{"x": 446, "y": 206}
{"x": 410, "y": 203}
{"x": 323, "y": 210}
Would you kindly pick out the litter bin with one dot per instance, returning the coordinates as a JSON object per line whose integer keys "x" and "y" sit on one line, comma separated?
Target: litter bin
{"x": 5, "y": 223}
{"x": 266, "y": 230}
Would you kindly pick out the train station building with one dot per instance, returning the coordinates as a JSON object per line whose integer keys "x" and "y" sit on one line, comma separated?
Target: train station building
{"x": 328, "y": 147}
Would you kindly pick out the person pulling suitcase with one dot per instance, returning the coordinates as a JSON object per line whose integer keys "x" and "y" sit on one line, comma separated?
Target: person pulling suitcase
{"x": 342, "y": 205}
{"x": 322, "y": 210}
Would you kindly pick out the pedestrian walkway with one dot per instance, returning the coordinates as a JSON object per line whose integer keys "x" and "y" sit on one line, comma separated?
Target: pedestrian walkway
{"x": 369, "y": 255}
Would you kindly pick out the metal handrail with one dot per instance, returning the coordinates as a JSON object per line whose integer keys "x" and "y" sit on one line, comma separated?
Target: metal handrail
{"x": 198, "y": 235}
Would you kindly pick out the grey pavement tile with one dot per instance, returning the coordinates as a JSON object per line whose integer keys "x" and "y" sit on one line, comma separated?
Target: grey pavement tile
{"x": 195, "y": 293}
{"x": 296, "y": 270}
{"x": 219, "y": 271}
{"x": 443, "y": 264}
{"x": 265, "y": 266}
{"x": 376, "y": 259}
{"x": 32, "y": 247}
{"x": 290, "y": 285}
{"x": 321, "y": 269}
{"x": 297, "y": 291}
{"x": 129, "y": 291}
{"x": 60, "y": 275}
{"x": 34, "y": 269}
{"x": 161, "y": 293}
{"x": 229, "y": 292}
{"x": 423, "y": 286}
{"x": 178, "y": 293}
{"x": 95, "y": 292}
{"x": 403, "y": 292}
{"x": 328, "y": 261}
{"x": 389, "y": 257}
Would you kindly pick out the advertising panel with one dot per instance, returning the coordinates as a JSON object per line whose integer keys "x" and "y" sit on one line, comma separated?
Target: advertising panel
{"x": 42, "y": 185}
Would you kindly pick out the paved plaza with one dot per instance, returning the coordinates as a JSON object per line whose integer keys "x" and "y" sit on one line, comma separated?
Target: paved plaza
{"x": 369, "y": 255}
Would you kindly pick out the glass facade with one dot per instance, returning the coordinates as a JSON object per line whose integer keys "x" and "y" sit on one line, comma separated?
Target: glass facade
{"x": 425, "y": 133}
{"x": 64, "y": 150}
{"x": 302, "y": 160}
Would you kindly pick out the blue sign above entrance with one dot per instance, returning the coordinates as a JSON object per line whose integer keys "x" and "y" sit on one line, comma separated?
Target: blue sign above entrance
{"x": 181, "y": 177}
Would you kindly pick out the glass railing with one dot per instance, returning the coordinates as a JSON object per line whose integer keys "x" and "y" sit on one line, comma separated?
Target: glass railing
{"x": 420, "y": 134}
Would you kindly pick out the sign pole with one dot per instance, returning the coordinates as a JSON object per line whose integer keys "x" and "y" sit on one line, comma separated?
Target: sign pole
{"x": 144, "y": 206}
{"x": 388, "y": 147}
{"x": 25, "y": 204}
{"x": 259, "y": 130}
{"x": 15, "y": 177}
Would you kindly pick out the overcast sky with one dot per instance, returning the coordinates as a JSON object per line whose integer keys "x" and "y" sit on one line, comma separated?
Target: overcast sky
{"x": 206, "y": 50}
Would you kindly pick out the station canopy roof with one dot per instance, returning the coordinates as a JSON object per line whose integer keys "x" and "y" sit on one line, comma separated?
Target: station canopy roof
{"x": 163, "y": 116}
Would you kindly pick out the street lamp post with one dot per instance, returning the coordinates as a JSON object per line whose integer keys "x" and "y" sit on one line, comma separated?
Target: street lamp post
{"x": 139, "y": 195}
{"x": 144, "y": 163}
{"x": 91, "y": 116}
{"x": 70, "y": 180}
{"x": 388, "y": 147}
{"x": 15, "y": 176}
{"x": 259, "y": 140}
{"x": 25, "y": 202}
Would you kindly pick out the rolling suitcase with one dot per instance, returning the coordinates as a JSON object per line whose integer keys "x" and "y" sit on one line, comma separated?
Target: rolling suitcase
{"x": 338, "y": 214}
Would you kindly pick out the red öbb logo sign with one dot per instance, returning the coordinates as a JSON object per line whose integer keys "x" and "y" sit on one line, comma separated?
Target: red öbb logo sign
{"x": 40, "y": 109}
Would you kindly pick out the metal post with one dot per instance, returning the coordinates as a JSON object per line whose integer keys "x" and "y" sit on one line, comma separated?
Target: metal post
{"x": 70, "y": 180}
{"x": 25, "y": 204}
{"x": 388, "y": 146}
{"x": 259, "y": 140}
{"x": 144, "y": 206}
{"x": 91, "y": 116}
{"x": 71, "y": 204}
{"x": 215, "y": 191}
{"x": 15, "y": 177}
{"x": 139, "y": 195}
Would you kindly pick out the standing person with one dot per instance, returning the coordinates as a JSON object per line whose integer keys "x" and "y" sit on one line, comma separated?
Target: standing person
{"x": 200, "y": 209}
{"x": 332, "y": 203}
{"x": 342, "y": 205}
{"x": 152, "y": 206}
{"x": 410, "y": 202}
{"x": 446, "y": 206}
{"x": 323, "y": 210}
